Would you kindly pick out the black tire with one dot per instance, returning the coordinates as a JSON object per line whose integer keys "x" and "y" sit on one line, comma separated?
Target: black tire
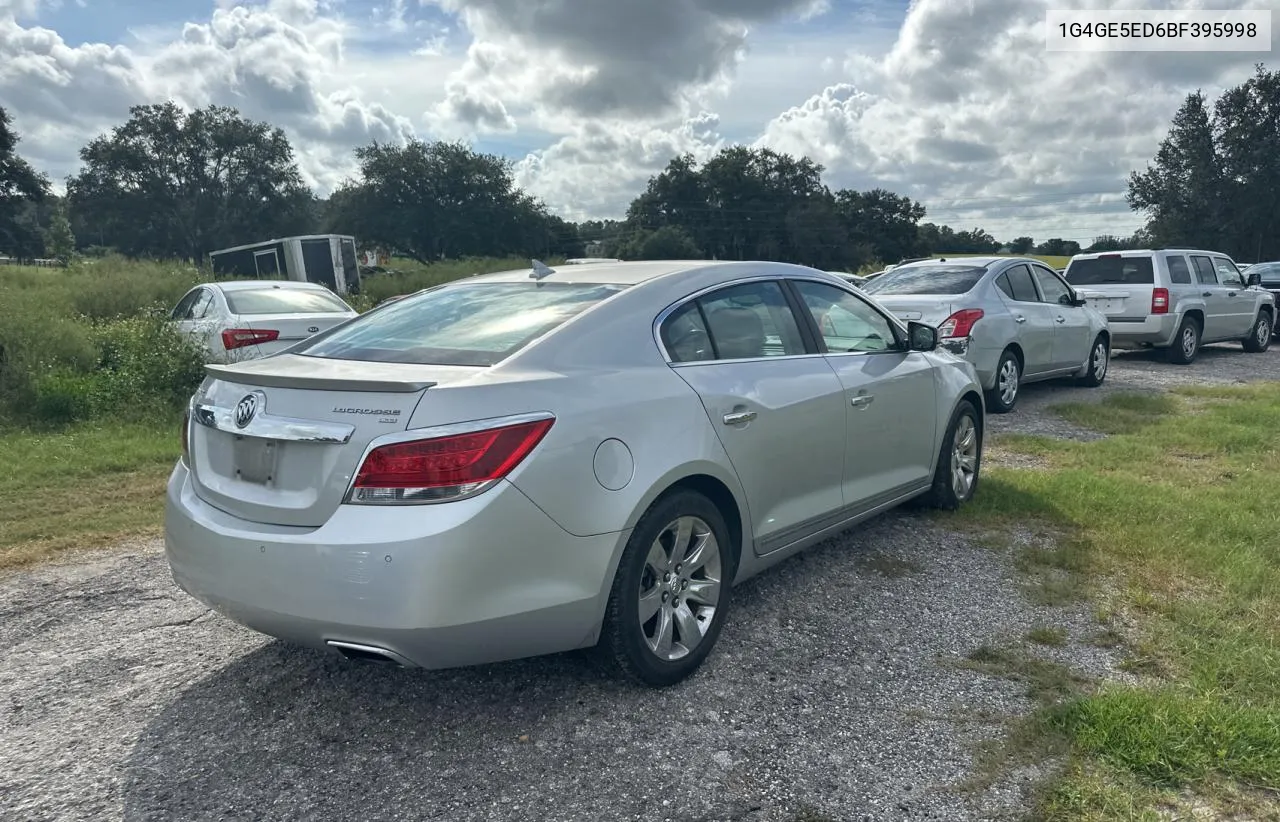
{"x": 944, "y": 494}
{"x": 996, "y": 401}
{"x": 1260, "y": 333}
{"x": 624, "y": 637}
{"x": 1186, "y": 343}
{"x": 1099, "y": 363}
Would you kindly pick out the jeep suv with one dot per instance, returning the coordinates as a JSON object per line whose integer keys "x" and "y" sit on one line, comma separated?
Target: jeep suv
{"x": 1267, "y": 275}
{"x": 1174, "y": 299}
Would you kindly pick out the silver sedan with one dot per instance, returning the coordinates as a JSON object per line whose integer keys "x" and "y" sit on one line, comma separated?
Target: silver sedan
{"x": 1014, "y": 318}
{"x": 541, "y": 460}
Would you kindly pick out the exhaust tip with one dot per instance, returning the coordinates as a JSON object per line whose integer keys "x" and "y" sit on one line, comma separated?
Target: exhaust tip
{"x": 357, "y": 652}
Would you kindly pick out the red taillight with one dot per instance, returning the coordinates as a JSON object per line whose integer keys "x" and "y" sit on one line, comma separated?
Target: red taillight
{"x": 240, "y": 337}
{"x": 959, "y": 324}
{"x": 446, "y": 467}
{"x": 1159, "y": 301}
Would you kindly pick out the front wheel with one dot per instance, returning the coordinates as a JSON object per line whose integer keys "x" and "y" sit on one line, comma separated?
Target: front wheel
{"x": 959, "y": 460}
{"x": 1099, "y": 362}
{"x": 1259, "y": 338}
{"x": 671, "y": 592}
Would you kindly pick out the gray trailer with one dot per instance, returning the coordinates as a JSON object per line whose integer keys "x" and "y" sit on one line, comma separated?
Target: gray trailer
{"x": 327, "y": 259}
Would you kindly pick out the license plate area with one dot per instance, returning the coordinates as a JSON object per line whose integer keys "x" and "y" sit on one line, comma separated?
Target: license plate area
{"x": 255, "y": 460}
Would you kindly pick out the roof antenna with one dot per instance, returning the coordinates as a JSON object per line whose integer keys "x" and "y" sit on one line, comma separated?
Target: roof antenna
{"x": 540, "y": 270}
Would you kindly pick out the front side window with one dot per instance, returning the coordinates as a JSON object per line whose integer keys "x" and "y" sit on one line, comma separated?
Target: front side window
{"x": 1227, "y": 273}
{"x": 845, "y": 322}
{"x": 1053, "y": 289}
{"x": 464, "y": 324}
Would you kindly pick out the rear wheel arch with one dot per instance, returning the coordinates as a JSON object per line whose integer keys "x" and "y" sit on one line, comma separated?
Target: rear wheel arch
{"x": 721, "y": 497}
{"x": 1195, "y": 315}
{"x": 1017, "y": 352}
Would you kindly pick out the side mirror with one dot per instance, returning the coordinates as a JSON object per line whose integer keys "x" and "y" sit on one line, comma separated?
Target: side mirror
{"x": 1254, "y": 278}
{"x": 921, "y": 337}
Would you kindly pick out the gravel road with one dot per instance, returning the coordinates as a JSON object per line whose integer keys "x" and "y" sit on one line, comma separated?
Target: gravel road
{"x": 834, "y": 688}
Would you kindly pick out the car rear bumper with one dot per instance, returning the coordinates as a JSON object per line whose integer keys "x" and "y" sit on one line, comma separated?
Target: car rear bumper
{"x": 1152, "y": 330}
{"x": 459, "y": 583}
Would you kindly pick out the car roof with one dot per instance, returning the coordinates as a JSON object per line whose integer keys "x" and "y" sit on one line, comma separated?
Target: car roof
{"x": 632, "y": 273}
{"x": 1144, "y": 252}
{"x": 965, "y": 260}
{"x": 255, "y": 285}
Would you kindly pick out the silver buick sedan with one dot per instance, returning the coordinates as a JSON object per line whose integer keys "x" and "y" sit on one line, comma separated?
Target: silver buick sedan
{"x": 542, "y": 460}
{"x": 1014, "y": 318}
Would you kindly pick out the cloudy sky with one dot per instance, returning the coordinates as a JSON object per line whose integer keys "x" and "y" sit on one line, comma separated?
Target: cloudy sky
{"x": 956, "y": 103}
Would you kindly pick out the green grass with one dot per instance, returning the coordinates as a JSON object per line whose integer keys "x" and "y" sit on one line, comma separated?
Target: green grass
{"x": 83, "y": 486}
{"x": 1179, "y": 510}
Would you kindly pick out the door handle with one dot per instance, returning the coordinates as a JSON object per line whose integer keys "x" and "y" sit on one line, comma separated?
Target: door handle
{"x": 862, "y": 400}
{"x": 1231, "y": 293}
{"x": 1206, "y": 293}
{"x": 1020, "y": 319}
{"x": 739, "y": 417}
{"x": 1061, "y": 319}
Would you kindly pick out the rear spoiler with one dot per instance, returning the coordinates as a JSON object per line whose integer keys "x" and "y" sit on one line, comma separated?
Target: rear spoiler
{"x": 324, "y": 378}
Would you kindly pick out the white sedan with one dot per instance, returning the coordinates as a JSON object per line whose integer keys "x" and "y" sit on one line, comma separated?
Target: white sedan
{"x": 243, "y": 320}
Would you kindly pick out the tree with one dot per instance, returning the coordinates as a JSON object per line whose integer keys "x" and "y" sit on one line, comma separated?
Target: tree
{"x": 1058, "y": 247}
{"x": 59, "y": 240}
{"x": 1182, "y": 190}
{"x": 667, "y": 243}
{"x": 882, "y": 222}
{"x": 21, "y": 189}
{"x": 431, "y": 201}
{"x": 1247, "y": 138}
{"x": 175, "y": 183}
{"x": 1022, "y": 245}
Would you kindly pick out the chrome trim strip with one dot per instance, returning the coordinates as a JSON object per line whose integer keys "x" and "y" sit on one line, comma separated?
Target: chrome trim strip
{"x": 269, "y": 427}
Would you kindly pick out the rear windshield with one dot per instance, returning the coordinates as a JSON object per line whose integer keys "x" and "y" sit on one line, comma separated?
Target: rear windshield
{"x": 471, "y": 324}
{"x": 927, "y": 279}
{"x": 284, "y": 301}
{"x": 1111, "y": 271}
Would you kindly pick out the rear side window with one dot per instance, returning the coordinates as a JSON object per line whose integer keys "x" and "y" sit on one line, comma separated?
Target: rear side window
{"x": 1017, "y": 285}
{"x": 1111, "y": 270}
{"x": 466, "y": 324}
{"x": 927, "y": 279}
{"x": 747, "y": 321}
{"x": 284, "y": 301}
{"x": 1179, "y": 273}
{"x": 1270, "y": 273}
{"x": 1205, "y": 275}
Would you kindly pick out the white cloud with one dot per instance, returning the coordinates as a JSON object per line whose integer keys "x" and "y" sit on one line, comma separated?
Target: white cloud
{"x": 969, "y": 113}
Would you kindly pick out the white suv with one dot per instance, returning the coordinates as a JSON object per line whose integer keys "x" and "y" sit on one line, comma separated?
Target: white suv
{"x": 1175, "y": 299}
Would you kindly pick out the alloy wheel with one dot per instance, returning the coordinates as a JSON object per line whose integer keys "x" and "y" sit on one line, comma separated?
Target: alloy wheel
{"x": 679, "y": 588}
{"x": 1008, "y": 381}
{"x": 964, "y": 457}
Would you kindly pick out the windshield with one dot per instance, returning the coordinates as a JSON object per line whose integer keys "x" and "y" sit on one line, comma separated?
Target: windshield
{"x": 1111, "y": 271}
{"x": 284, "y": 301}
{"x": 927, "y": 279}
{"x": 472, "y": 324}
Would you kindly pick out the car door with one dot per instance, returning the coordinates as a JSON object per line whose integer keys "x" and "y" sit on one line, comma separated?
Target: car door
{"x": 1238, "y": 303}
{"x": 187, "y": 313}
{"x": 1073, "y": 336}
{"x": 1034, "y": 321}
{"x": 1217, "y": 314}
{"x": 776, "y": 406}
{"x": 890, "y": 399}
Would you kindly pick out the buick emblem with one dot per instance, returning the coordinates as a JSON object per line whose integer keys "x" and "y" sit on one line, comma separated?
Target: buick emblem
{"x": 246, "y": 408}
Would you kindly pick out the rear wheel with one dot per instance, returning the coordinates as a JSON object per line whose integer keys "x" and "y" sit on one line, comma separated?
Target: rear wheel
{"x": 1186, "y": 343}
{"x": 671, "y": 592}
{"x": 959, "y": 460}
{"x": 1259, "y": 338}
{"x": 1004, "y": 396}
{"x": 1099, "y": 362}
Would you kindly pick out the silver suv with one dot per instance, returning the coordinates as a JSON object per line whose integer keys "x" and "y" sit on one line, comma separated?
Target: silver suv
{"x": 1176, "y": 299}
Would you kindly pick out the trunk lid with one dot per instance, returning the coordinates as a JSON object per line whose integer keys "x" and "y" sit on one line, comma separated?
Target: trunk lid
{"x": 304, "y": 424}
{"x": 1117, "y": 300}
{"x": 291, "y": 328}
{"x": 929, "y": 309}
